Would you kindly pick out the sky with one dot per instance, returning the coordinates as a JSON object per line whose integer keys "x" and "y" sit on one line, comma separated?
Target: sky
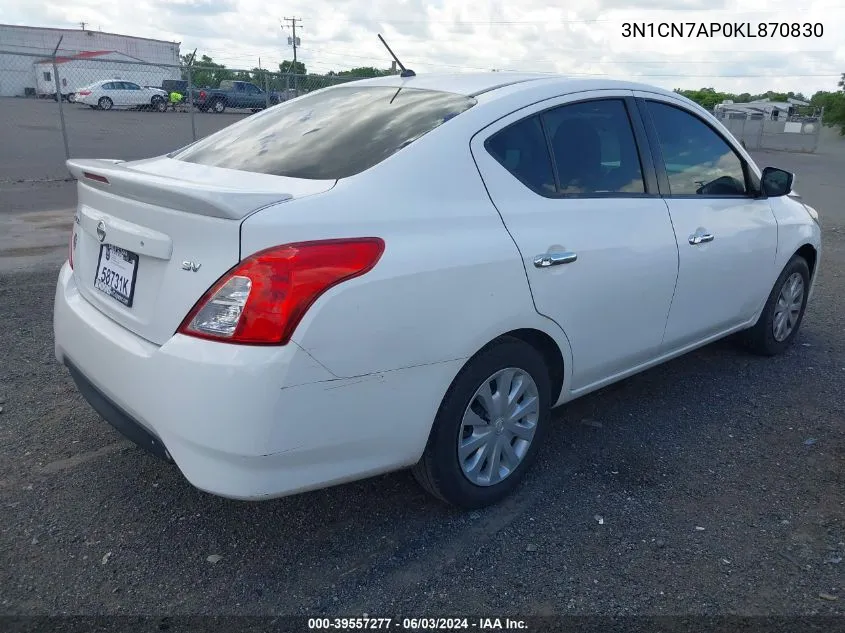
{"x": 576, "y": 37}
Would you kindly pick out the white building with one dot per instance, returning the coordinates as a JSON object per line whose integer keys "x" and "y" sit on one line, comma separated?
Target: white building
{"x": 78, "y": 71}
{"x": 23, "y": 47}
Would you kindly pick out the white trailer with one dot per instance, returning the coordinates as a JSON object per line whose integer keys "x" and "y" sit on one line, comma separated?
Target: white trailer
{"x": 767, "y": 108}
{"x": 84, "y": 69}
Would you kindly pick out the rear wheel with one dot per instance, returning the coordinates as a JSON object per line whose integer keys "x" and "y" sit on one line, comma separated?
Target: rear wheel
{"x": 105, "y": 103}
{"x": 218, "y": 106}
{"x": 783, "y": 313}
{"x": 488, "y": 427}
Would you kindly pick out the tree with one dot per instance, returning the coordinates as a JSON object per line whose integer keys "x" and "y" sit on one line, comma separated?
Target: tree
{"x": 204, "y": 72}
{"x": 834, "y": 107}
{"x": 364, "y": 72}
{"x": 287, "y": 66}
{"x": 706, "y": 97}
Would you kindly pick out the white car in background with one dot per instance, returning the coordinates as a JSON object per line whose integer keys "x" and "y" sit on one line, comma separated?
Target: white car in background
{"x": 116, "y": 93}
{"x": 410, "y": 272}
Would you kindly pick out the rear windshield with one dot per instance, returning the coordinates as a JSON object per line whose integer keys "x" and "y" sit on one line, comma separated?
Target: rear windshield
{"x": 330, "y": 134}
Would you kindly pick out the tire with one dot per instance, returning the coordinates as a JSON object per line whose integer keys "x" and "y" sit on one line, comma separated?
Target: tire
{"x": 71, "y": 98}
{"x": 442, "y": 470}
{"x": 765, "y": 337}
{"x": 219, "y": 106}
{"x": 159, "y": 104}
{"x": 105, "y": 103}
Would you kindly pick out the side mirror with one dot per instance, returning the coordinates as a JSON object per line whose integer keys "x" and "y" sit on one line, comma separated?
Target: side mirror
{"x": 776, "y": 182}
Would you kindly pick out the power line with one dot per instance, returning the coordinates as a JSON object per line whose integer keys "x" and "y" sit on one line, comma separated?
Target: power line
{"x": 427, "y": 20}
{"x": 594, "y": 74}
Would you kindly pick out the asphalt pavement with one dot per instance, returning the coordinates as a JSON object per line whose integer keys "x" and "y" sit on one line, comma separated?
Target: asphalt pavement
{"x": 33, "y": 150}
{"x": 710, "y": 485}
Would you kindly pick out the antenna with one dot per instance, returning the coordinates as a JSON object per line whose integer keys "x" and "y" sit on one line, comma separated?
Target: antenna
{"x": 406, "y": 72}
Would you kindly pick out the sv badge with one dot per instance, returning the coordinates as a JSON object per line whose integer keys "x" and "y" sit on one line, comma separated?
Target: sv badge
{"x": 192, "y": 266}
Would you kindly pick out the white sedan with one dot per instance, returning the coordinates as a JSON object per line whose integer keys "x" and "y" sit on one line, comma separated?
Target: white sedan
{"x": 410, "y": 272}
{"x": 113, "y": 93}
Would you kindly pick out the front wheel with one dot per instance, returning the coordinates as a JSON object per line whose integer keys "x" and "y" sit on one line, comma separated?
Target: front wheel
{"x": 783, "y": 313}
{"x": 488, "y": 427}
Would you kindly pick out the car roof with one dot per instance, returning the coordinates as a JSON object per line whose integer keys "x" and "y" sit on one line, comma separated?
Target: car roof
{"x": 461, "y": 83}
{"x": 477, "y": 83}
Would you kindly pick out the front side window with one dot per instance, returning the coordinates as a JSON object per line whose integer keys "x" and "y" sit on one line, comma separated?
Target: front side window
{"x": 130, "y": 86}
{"x": 330, "y": 134}
{"x": 594, "y": 148}
{"x": 698, "y": 161}
{"x": 521, "y": 149}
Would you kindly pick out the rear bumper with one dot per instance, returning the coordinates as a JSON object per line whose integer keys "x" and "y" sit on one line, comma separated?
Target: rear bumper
{"x": 246, "y": 422}
{"x": 118, "y": 418}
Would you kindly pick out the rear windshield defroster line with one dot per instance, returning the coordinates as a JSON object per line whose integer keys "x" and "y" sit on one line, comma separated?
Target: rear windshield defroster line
{"x": 331, "y": 134}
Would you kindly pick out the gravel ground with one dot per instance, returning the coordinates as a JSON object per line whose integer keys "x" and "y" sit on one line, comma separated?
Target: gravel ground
{"x": 710, "y": 485}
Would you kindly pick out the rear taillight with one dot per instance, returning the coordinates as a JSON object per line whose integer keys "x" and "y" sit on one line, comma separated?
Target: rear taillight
{"x": 202, "y": 94}
{"x": 84, "y": 93}
{"x": 262, "y": 299}
{"x": 97, "y": 177}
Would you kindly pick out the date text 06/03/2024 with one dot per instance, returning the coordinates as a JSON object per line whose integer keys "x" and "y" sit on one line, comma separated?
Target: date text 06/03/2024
{"x": 417, "y": 624}
{"x": 748, "y": 30}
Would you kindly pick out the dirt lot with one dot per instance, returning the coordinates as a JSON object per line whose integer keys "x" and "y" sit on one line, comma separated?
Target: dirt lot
{"x": 711, "y": 485}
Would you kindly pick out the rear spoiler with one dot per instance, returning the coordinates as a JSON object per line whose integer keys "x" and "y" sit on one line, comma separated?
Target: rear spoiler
{"x": 229, "y": 203}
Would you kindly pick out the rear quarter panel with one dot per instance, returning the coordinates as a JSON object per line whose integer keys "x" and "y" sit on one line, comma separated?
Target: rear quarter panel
{"x": 450, "y": 279}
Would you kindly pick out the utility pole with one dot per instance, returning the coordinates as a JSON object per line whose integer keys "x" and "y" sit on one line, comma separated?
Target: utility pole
{"x": 294, "y": 42}
{"x": 82, "y": 24}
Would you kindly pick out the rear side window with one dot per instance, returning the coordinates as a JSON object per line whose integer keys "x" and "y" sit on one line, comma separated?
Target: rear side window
{"x": 594, "y": 148}
{"x": 521, "y": 149}
{"x": 330, "y": 134}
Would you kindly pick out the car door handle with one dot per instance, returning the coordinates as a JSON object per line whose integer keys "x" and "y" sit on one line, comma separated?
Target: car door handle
{"x": 701, "y": 238}
{"x": 554, "y": 259}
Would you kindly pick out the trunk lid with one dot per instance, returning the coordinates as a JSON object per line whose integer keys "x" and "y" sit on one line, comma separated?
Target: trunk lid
{"x": 154, "y": 237}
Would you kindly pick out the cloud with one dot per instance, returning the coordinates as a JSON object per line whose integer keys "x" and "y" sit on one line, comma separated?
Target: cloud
{"x": 464, "y": 35}
{"x": 197, "y": 7}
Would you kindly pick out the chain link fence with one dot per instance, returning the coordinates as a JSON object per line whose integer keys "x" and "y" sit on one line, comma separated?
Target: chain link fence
{"x": 106, "y": 105}
{"x": 109, "y": 105}
{"x": 789, "y": 133}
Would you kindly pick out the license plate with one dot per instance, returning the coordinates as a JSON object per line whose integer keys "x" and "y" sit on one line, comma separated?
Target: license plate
{"x": 117, "y": 269}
